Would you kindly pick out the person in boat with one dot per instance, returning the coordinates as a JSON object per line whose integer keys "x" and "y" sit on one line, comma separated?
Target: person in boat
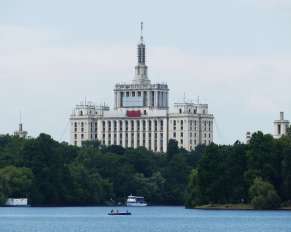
{"x": 112, "y": 211}
{"x": 117, "y": 211}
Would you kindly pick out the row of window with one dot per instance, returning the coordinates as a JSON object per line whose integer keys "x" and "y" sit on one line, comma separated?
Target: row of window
{"x": 140, "y": 142}
{"x": 129, "y": 125}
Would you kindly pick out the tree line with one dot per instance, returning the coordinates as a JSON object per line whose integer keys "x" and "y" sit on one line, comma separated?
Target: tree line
{"x": 258, "y": 173}
{"x": 51, "y": 173}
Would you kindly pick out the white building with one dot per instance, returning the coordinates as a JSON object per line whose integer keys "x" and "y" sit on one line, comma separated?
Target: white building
{"x": 20, "y": 132}
{"x": 280, "y": 126}
{"x": 141, "y": 116}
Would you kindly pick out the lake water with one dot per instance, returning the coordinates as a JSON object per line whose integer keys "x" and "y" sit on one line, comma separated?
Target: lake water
{"x": 156, "y": 219}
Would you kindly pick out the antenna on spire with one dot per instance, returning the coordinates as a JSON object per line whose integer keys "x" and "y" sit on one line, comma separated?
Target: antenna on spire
{"x": 20, "y": 117}
{"x": 20, "y": 121}
{"x": 141, "y": 31}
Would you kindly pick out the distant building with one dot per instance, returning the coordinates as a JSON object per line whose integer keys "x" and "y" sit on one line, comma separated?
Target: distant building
{"x": 20, "y": 132}
{"x": 280, "y": 126}
{"x": 248, "y": 137}
{"x": 141, "y": 116}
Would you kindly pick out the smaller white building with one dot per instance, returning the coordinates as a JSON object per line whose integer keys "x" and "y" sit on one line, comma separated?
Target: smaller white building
{"x": 17, "y": 202}
{"x": 280, "y": 126}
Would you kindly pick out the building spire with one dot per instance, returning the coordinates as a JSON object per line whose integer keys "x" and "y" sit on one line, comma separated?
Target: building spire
{"x": 141, "y": 76}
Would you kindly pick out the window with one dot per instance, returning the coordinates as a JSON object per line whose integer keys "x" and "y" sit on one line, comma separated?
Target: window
{"x": 133, "y": 94}
{"x": 139, "y": 93}
{"x": 75, "y": 136}
{"x": 127, "y": 94}
{"x": 144, "y": 112}
{"x": 82, "y": 136}
{"x": 180, "y": 111}
{"x": 174, "y": 134}
{"x": 181, "y": 134}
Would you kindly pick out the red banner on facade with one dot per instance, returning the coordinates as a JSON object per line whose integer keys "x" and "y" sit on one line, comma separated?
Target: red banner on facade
{"x": 133, "y": 113}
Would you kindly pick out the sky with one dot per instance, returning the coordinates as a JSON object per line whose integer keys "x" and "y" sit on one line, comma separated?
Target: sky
{"x": 234, "y": 54}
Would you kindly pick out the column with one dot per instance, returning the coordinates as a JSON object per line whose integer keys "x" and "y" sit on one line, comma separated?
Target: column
{"x": 117, "y": 132}
{"x": 135, "y": 132}
{"x": 149, "y": 98}
{"x": 123, "y": 133}
{"x": 140, "y": 133}
{"x": 115, "y": 99}
{"x": 106, "y": 132}
{"x": 156, "y": 99}
{"x": 112, "y": 132}
{"x": 153, "y": 135}
{"x": 129, "y": 133}
{"x": 158, "y": 135}
{"x": 147, "y": 134}
{"x": 165, "y": 132}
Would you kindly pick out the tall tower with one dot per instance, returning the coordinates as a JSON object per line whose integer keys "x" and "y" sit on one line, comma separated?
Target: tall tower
{"x": 141, "y": 94}
{"x": 20, "y": 133}
{"x": 280, "y": 126}
{"x": 141, "y": 70}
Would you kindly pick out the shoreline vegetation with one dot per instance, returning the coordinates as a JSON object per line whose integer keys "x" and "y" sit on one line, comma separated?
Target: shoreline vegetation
{"x": 239, "y": 176}
{"x": 234, "y": 207}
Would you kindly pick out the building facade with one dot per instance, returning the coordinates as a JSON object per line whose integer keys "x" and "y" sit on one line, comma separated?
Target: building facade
{"x": 280, "y": 126}
{"x": 141, "y": 116}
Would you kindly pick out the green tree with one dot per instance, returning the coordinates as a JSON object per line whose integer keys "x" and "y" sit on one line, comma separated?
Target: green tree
{"x": 172, "y": 148}
{"x": 193, "y": 192}
{"x": 263, "y": 195}
{"x": 15, "y": 182}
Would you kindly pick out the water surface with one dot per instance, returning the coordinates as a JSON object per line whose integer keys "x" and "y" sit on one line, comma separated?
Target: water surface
{"x": 157, "y": 219}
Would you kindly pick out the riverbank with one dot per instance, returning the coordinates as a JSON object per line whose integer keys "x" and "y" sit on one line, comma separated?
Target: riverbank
{"x": 233, "y": 207}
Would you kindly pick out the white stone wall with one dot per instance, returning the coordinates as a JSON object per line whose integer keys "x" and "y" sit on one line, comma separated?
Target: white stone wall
{"x": 151, "y": 130}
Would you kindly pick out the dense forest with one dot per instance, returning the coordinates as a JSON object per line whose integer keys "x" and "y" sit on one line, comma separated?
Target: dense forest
{"x": 258, "y": 173}
{"x": 53, "y": 173}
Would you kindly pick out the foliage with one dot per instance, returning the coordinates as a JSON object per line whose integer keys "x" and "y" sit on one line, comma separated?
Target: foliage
{"x": 15, "y": 182}
{"x": 263, "y": 195}
{"x": 226, "y": 174}
{"x": 53, "y": 173}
